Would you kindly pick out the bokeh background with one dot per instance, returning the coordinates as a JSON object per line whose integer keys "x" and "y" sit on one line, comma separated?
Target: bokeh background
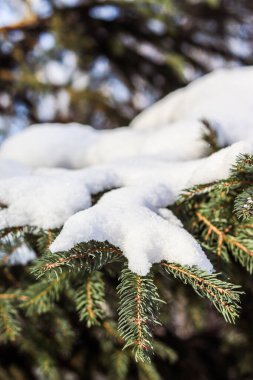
{"x": 101, "y": 63}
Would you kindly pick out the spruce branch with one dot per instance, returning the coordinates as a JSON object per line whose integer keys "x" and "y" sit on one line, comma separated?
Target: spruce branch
{"x": 111, "y": 330}
{"x": 89, "y": 299}
{"x": 12, "y": 296}
{"x": 9, "y": 323}
{"x": 225, "y": 296}
{"x": 243, "y": 205}
{"x": 45, "y": 239}
{"x": 223, "y": 186}
{"x": 88, "y": 257}
{"x": 139, "y": 303}
{"x": 241, "y": 176}
{"x": 165, "y": 352}
{"x": 41, "y": 297}
{"x": 147, "y": 371}
{"x": 243, "y": 168}
{"x": 120, "y": 365}
{"x": 121, "y": 358}
{"x": 238, "y": 246}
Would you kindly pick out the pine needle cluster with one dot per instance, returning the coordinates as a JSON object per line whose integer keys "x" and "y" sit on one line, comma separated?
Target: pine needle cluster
{"x": 92, "y": 283}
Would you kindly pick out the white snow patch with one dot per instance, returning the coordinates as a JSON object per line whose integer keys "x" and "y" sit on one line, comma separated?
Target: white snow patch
{"x": 22, "y": 255}
{"x": 46, "y": 199}
{"x": 149, "y": 164}
{"x": 128, "y": 218}
{"x": 131, "y": 217}
{"x": 223, "y": 97}
{"x": 75, "y": 146}
{"x": 10, "y": 168}
{"x": 53, "y": 145}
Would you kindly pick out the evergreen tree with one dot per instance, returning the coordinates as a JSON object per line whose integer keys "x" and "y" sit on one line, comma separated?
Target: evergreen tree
{"x": 82, "y": 313}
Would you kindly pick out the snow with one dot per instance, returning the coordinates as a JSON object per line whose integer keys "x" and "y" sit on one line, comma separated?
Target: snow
{"x": 22, "y": 255}
{"x": 10, "y": 168}
{"x": 133, "y": 217}
{"x": 218, "y": 165}
{"x": 128, "y": 219}
{"x": 223, "y": 97}
{"x": 49, "y": 172}
{"x": 60, "y": 146}
{"x": 75, "y": 146}
{"x": 46, "y": 199}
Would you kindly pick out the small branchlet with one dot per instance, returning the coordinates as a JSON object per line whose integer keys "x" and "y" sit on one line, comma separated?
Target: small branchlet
{"x": 243, "y": 205}
{"x": 138, "y": 307}
{"x": 87, "y": 257}
{"x": 224, "y": 295}
{"x": 89, "y": 299}
{"x": 210, "y": 135}
{"x": 243, "y": 168}
{"x": 9, "y": 322}
{"x": 41, "y": 297}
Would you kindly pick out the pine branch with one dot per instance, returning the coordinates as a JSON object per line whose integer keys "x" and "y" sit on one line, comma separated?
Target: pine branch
{"x": 165, "y": 352}
{"x": 89, "y": 299}
{"x": 237, "y": 247}
{"x": 45, "y": 239}
{"x": 41, "y": 297}
{"x": 88, "y": 257}
{"x": 48, "y": 366}
{"x": 139, "y": 303}
{"x": 147, "y": 371}
{"x": 225, "y": 296}
{"x": 9, "y": 324}
{"x": 12, "y": 296}
{"x": 243, "y": 205}
{"x": 243, "y": 167}
{"x": 118, "y": 362}
{"x": 241, "y": 176}
{"x": 120, "y": 366}
{"x": 223, "y": 186}
{"x": 112, "y": 331}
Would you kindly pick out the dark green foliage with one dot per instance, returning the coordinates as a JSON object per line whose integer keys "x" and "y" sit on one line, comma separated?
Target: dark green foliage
{"x": 243, "y": 204}
{"x": 224, "y": 296}
{"x": 147, "y": 371}
{"x": 138, "y": 307}
{"x": 165, "y": 352}
{"x": 9, "y": 323}
{"x": 73, "y": 278}
{"x": 74, "y": 282}
{"x": 88, "y": 257}
{"x": 89, "y": 299}
{"x": 45, "y": 238}
{"x": 217, "y": 215}
{"x": 120, "y": 365}
{"x": 41, "y": 297}
{"x": 41, "y": 336}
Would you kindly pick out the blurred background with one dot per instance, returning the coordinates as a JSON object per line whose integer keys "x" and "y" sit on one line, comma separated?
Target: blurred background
{"x": 101, "y": 63}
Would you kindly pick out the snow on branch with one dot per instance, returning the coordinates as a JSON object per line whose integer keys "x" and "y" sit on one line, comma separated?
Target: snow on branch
{"x": 143, "y": 170}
